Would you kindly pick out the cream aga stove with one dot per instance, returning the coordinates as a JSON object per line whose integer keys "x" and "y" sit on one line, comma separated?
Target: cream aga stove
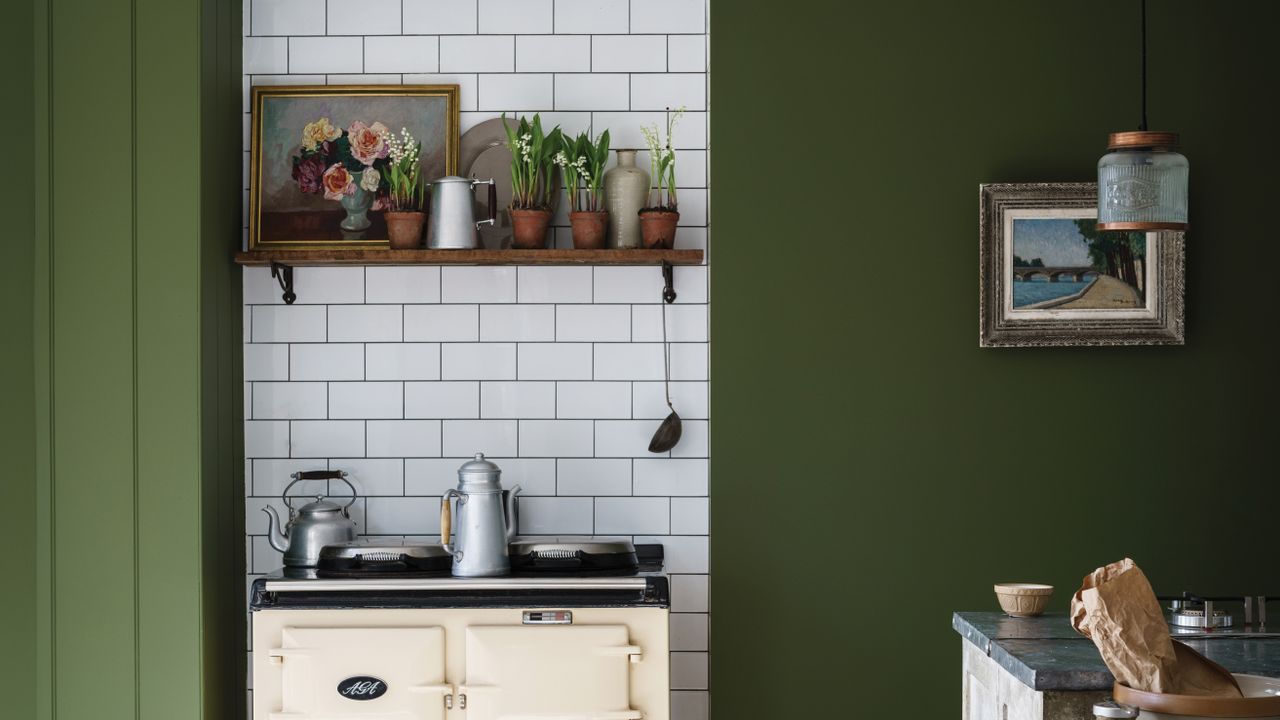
{"x": 556, "y": 640}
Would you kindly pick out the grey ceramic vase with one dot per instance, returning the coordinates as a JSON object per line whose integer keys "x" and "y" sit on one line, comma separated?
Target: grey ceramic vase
{"x": 625, "y": 189}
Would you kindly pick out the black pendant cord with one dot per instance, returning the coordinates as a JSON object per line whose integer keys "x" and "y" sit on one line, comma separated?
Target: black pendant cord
{"x": 1143, "y": 126}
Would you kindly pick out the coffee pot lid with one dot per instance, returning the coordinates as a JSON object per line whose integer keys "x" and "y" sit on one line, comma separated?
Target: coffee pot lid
{"x": 450, "y": 179}
{"x": 479, "y": 472}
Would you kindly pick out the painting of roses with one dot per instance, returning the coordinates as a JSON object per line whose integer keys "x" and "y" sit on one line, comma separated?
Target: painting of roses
{"x": 320, "y": 159}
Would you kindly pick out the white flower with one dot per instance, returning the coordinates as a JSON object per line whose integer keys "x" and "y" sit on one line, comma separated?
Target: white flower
{"x": 370, "y": 179}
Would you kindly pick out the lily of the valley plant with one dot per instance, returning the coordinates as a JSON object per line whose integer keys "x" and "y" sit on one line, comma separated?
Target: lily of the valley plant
{"x": 662, "y": 163}
{"x": 532, "y": 157}
{"x": 408, "y": 192}
{"x": 582, "y": 163}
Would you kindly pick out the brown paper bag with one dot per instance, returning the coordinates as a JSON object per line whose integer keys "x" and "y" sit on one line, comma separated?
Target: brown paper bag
{"x": 1117, "y": 609}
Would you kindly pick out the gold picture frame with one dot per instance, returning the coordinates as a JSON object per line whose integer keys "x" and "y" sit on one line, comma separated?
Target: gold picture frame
{"x": 295, "y": 202}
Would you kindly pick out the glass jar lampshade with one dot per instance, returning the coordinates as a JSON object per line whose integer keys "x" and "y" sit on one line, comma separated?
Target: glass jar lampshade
{"x": 1142, "y": 183}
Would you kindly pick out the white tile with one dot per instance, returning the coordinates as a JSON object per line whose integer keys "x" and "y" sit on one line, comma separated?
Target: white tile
{"x": 670, "y": 90}
{"x": 266, "y": 438}
{"x": 255, "y": 520}
{"x": 326, "y": 361}
{"x": 365, "y": 323}
{"x": 624, "y": 128}
{"x": 668, "y": 16}
{"x": 687, "y": 53}
{"x": 688, "y": 671}
{"x": 403, "y": 516}
{"x": 409, "y": 54}
{"x": 571, "y": 123}
{"x": 628, "y": 284}
{"x": 266, "y": 362}
{"x": 593, "y": 323}
{"x": 366, "y": 400}
{"x": 403, "y": 438}
{"x": 402, "y": 361}
{"x": 248, "y": 400}
{"x": 478, "y": 361}
{"x": 688, "y": 238}
{"x": 477, "y": 54}
{"x": 529, "y": 92}
{"x": 629, "y": 53}
{"x": 287, "y": 17}
{"x": 271, "y": 477}
{"x": 556, "y": 516}
{"x": 593, "y": 400}
{"x": 553, "y": 53}
{"x": 289, "y": 400}
{"x": 463, "y": 438}
{"x": 518, "y": 400}
{"x": 535, "y": 476}
{"x": 556, "y": 438}
{"x": 267, "y": 55}
{"x": 326, "y": 54}
{"x": 313, "y": 286}
{"x": 629, "y": 361}
{"x": 692, "y": 283}
{"x": 327, "y": 438}
{"x": 517, "y": 323}
{"x": 685, "y": 323}
{"x": 693, "y": 206}
{"x": 364, "y": 17}
{"x": 432, "y": 476}
{"x": 593, "y": 477}
{"x": 685, "y": 554}
{"x": 515, "y": 16}
{"x": 624, "y": 438}
{"x": 664, "y": 476}
{"x": 442, "y": 400}
{"x": 690, "y": 705}
{"x": 693, "y": 441}
{"x": 591, "y": 16}
{"x": 246, "y": 321}
{"x": 289, "y": 323}
{"x": 689, "y": 398}
{"x": 442, "y": 323}
{"x": 688, "y": 632}
{"x": 689, "y": 593}
{"x": 402, "y": 284}
{"x": 688, "y": 361}
{"x": 555, "y": 361}
{"x": 264, "y": 558}
{"x": 364, "y": 79}
{"x": 632, "y": 515}
{"x": 690, "y": 516}
{"x": 440, "y": 17}
{"x": 478, "y": 284}
{"x": 592, "y": 92}
{"x": 466, "y": 83}
{"x": 554, "y": 284}
{"x": 691, "y": 172}
{"x": 373, "y": 477}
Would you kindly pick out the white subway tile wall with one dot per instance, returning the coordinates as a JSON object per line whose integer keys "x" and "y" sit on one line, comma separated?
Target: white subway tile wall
{"x": 399, "y": 374}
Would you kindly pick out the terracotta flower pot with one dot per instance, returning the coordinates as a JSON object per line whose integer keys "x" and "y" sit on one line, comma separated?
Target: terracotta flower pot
{"x": 658, "y": 228}
{"x": 405, "y": 229}
{"x": 529, "y": 228}
{"x": 589, "y": 229}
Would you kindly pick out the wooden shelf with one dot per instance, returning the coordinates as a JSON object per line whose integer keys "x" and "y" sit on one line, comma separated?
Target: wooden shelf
{"x": 384, "y": 256}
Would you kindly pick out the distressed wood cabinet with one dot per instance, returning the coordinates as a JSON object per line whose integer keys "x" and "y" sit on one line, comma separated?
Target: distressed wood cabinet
{"x": 990, "y": 692}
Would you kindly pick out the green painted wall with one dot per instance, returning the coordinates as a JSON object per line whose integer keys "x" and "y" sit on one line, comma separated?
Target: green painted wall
{"x": 136, "y": 336}
{"x": 885, "y": 469}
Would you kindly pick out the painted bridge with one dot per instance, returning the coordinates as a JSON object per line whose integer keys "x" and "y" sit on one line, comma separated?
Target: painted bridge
{"x": 1054, "y": 273}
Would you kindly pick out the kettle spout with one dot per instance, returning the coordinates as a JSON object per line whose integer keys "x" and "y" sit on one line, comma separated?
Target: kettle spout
{"x": 275, "y": 531}
{"x": 512, "y": 512}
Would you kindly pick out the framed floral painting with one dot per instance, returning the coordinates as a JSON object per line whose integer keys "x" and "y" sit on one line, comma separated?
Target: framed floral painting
{"x": 319, "y": 156}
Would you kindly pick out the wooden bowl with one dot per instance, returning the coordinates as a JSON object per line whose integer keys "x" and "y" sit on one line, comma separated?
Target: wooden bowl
{"x": 1023, "y": 599}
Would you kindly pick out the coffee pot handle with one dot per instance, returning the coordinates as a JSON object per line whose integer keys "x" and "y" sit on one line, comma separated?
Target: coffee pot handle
{"x": 493, "y": 201}
{"x": 446, "y": 522}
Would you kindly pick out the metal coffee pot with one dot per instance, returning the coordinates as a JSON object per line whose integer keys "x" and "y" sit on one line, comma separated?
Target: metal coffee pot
{"x": 486, "y": 520}
{"x": 312, "y": 526}
{"x": 452, "y": 224}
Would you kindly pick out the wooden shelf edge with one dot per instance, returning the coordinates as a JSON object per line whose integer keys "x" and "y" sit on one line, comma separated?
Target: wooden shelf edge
{"x": 384, "y": 256}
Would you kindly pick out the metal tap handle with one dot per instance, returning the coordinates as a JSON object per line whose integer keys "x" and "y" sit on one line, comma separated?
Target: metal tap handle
{"x": 1113, "y": 709}
{"x": 318, "y": 475}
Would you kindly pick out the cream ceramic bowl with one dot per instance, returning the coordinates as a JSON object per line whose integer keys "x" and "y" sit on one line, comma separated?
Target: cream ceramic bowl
{"x": 1023, "y": 599}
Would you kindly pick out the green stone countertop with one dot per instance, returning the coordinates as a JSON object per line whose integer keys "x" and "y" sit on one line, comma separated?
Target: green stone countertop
{"x": 1046, "y": 654}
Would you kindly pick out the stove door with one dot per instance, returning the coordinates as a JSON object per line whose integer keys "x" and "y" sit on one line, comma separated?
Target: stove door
{"x": 394, "y": 673}
{"x": 558, "y": 672}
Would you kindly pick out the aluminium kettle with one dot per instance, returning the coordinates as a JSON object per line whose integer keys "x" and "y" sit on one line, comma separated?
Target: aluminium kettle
{"x": 452, "y": 223}
{"x": 312, "y": 526}
{"x": 486, "y": 520}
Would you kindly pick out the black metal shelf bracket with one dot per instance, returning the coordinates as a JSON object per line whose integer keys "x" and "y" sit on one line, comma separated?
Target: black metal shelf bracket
{"x": 668, "y": 282}
{"x": 284, "y": 275}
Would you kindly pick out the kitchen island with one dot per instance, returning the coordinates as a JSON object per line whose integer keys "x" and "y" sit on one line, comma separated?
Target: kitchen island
{"x": 1041, "y": 669}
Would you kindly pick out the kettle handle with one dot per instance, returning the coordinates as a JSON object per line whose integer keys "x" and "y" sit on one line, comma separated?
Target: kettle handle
{"x": 318, "y": 475}
{"x": 493, "y": 201}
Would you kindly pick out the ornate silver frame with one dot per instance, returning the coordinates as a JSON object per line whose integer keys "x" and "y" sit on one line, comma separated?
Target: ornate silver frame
{"x": 997, "y": 329}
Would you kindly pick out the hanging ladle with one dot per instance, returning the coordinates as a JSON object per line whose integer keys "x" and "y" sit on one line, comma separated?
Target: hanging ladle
{"x": 668, "y": 433}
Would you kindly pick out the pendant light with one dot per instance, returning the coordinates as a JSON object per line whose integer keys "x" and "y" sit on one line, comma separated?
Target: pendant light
{"x": 1142, "y": 180}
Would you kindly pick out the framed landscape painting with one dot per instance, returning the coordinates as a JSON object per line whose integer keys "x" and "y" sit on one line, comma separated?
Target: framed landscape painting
{"x": 319, "y": 158}
{"x": 1049, "y": 277}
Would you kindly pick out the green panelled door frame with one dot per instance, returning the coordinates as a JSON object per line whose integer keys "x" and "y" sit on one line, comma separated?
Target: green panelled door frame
{"x": 137, "y": 332}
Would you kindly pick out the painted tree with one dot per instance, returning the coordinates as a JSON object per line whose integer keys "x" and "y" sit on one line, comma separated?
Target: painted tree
{"x": 1114, "y": 253}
